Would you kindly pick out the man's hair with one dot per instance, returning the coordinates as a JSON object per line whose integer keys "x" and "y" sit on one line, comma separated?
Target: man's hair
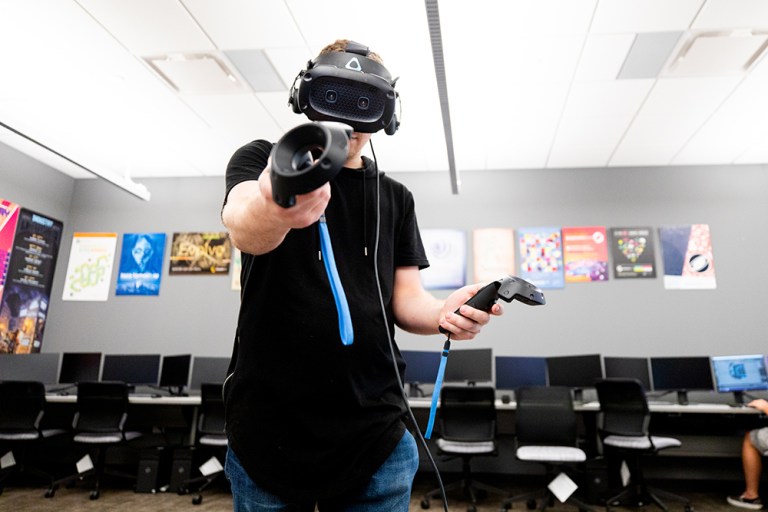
{"x": 340, "y": 45}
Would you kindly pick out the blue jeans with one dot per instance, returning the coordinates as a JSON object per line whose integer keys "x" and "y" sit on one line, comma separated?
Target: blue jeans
{"x": 389, "y": 489}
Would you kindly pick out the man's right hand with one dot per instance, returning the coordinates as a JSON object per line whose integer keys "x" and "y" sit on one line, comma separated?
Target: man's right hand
{"x": 307, "y": 210}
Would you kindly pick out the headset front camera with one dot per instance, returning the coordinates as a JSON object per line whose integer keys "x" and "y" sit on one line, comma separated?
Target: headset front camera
{"x": 307, "y": 157}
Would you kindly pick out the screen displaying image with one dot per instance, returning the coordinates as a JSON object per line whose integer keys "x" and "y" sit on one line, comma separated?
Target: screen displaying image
{"x": 740, "y": 373}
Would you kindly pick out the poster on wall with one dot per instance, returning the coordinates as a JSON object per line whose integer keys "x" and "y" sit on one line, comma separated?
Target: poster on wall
{"x": 237, "y": 265}
{"x": 493, "y": 253}
{"x": 632, "y": 250}
{"x": 585, "y": 254}
{"x": 89, "y": 270}
{"x": 141, "y": 264}
{"x": 206, "y": 253}
{"x": 687, "y": 255}
{"x": 9, "y": 216}
{"x": 28, "y": 281}
{"x": 541, "y": 256}
{"x": 447, "y": 254}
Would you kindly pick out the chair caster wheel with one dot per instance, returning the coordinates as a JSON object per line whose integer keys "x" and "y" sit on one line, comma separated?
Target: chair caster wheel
{"x": 689, "y": 508}
{"x": 471, "y": 508}
{"x": 425, "y": 504}
{"x": 94, "y": 495}
{"x": 530, "y": 504}
{"x": 197, "y": 500}
{"x": 50, "y": 492}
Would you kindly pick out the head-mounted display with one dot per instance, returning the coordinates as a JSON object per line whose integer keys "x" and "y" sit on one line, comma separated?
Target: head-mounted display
{"x": 347, "y": 87}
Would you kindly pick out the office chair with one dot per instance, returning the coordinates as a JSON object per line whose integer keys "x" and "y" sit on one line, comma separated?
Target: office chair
{"x": 545, "y": 432}
{"x": 623, "y": 428}
{"x": 210, "y": 434}
{"x": 22, "y": 406}
{"x": 467, "y": 427}
{"x": 99, "y": 423}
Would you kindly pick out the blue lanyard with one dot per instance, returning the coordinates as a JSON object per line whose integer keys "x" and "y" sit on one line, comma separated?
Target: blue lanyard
{"x": 345, "y": 318}
{"x": 438, "y": 386}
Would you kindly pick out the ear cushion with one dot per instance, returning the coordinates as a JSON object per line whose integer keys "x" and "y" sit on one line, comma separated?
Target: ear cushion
{"x": 293, "y": 99}
{"x": 392, "y": 127}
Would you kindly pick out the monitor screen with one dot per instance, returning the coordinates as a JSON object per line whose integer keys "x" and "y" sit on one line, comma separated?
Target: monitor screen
{"x": 514, "y": 372}
{"x": 472, "y": 365}
{"x": 175, "y": 371}
{"x": 628, "y": 368}
{"x": 79, "y": 367}
{"x": 421, "y": 366}
{"x": 208, "y": 369}
{"x": 131, "y": 368}
{"x": 40, "y": 367}
{"x": 581, "y": 371}
{"x": 681, "y": 373}
{"x": 740, "y": 373}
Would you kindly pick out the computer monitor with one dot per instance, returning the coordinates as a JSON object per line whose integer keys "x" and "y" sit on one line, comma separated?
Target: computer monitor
{"x": 208, "y": 369}
{"x": 628, "y": 368}
{"x": 42, "y": 367}
{"x": 739, "y": 374}
{"x": 420, "y": 367}
{"x": 577, "y": 372}
{"x": 174, "y": 373}
{"x": 681, "y": 374}
{"x": 469, "y": 365}
{"x": 514, "y": 372}
{"x": 133, "y": 369}
{"x": 79, "y": 367}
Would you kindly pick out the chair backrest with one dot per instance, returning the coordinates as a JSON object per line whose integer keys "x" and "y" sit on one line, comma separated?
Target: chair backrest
{"x": 468, "y": 413}
{"x": 623, "y": 407}
{"x": 211, "y": 419}
{"x": 545, "y": 416}
{"x": 101, "y": 406}
{"x": 21, "y": 405}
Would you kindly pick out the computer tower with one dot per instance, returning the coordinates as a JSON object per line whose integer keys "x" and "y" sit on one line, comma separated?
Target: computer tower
{"x": 181, "y": 469}
{"x": 152, "y": 474}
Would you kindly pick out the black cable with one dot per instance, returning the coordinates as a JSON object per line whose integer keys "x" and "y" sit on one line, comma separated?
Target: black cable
{"x": 419, "y": 436}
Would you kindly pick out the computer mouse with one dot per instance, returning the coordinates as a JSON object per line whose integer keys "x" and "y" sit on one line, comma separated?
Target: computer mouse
{"x": 505, "y": 399}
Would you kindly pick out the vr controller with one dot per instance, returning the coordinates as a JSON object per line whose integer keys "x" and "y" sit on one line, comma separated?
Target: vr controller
{"x": 508, "y": 288}
{"x": 307, "y": 157}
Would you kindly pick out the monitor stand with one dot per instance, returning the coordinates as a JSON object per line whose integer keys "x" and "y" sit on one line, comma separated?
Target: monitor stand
{"x": 578, "y": 395}
{"x": 682, "y": 397}
{"x": 741, "y": 398}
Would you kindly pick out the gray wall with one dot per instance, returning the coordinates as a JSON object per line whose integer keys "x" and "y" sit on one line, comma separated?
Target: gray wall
{"x": 631, "y": 317}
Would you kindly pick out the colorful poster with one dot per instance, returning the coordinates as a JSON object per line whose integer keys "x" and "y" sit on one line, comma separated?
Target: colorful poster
{"x": 141, "y": 264}
{"x": 447, "y": 253}
{"x": 89, "y": 270}
{"x": 27, "y": 291}
{"x": 200, "y": 253}
{"x": 9, "y": 216}
{"x": 585, "y": 253}
{"x": 493, "y": 253}
{"x": 633, "y": 252}
{"x": 688, "y": 260}
{"x": 541, "y": 256}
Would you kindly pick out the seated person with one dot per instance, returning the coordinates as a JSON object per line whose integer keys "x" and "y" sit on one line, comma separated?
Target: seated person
{"x": 753, "y": 447}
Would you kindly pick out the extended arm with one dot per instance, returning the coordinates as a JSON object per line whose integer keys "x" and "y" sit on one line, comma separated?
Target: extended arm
{"x": 418, "y": 311}
{"x": 257, "y": 224}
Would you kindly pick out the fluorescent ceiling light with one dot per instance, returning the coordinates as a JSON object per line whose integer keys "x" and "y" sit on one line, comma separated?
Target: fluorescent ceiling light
{"x": 123, "y": 182}
{"x": 718, "y": 53}
{"x": 198, "y": 73}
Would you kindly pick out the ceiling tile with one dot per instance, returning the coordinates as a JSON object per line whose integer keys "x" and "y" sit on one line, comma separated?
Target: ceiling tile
{"x": 728, "y": 14}
{"x": 617, "y": 16}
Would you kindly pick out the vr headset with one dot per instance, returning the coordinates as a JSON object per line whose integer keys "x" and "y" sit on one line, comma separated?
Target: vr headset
{"x": 347, "y": 87}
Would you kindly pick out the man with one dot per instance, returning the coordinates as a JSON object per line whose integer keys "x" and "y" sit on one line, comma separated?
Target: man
{"x": 312, "y": 421}
{"x": 753, "y": 447}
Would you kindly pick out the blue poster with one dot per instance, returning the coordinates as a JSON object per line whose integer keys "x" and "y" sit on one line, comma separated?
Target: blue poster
{"x": 141, "y": 264}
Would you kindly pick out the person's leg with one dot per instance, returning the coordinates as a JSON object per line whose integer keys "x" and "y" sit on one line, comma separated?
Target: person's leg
{"x": 389, "y": 489}
{"x": 248, "y": 497}
{"x": 752, "y": 462}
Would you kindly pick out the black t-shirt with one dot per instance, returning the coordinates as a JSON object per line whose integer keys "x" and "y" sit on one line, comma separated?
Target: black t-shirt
{"x": 307, "y": 416}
